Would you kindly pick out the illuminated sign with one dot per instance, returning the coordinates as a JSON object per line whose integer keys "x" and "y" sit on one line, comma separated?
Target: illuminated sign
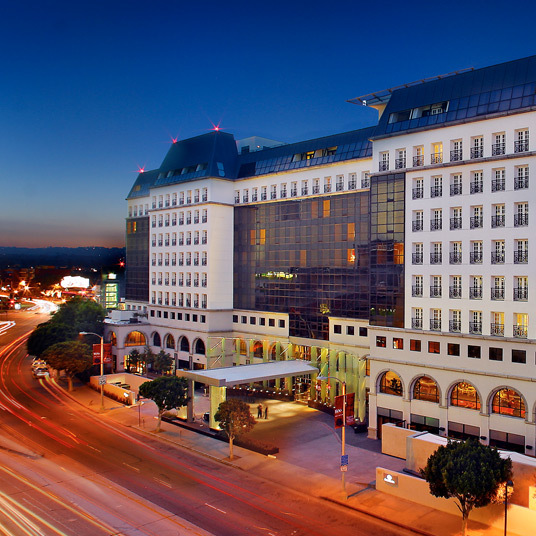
{"x": 390, "y": 479}
{"x": 74, "y": 282}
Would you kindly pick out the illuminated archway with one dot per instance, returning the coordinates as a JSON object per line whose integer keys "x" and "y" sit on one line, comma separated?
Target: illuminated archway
{"x": 425, "y": 388}
{"x": 509, "y": 402}
{"x": 390, "y": 383}
{"x": 464, "y": 395}
{"x": 258, "y": 350}
{"x": 135, "y": 338}
{"x": 170, "y": 341}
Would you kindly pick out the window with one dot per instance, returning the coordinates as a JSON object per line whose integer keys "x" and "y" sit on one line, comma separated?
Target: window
{"x": 456, "y": 184}
{"x": 262, "y": 321}
{"x": 381, "y": 342}
{"x": 437, "y": 153}
{"x": 519, "y": 356}
{"x": 271, "y": 322}
{"x": 521, "y": 214}
{"x": 477, "y": 149}
{"x": 390, "y": 384}
{"x": 453, "y": 349}
{"x": 436, "y": 188}
{"x": 473, "y": 351}
{"x": 498, "y": 182}
{"x": 433, "y": 347}
{"x": 521, "y": 144}
{"x": 464, "y": 395}
{"x": 243, "y": 319}
{"x": 418, "y": 155}
{"x": 398, "y": 343}
{"x": 252, "y": 320}
{"x": 349, "y": 330}
{"x": 363, "y": 332}
{"x": 426, "y": 389}
{"x": 498, "y": 146}
{"x": 508, "y": 402}
{"x": 495, "y": 354}
{"x": 384, "y": 161}
{"x": 477, "y": 185}
{"x": 281, "y": 323}
{"x": 418, "y": 188}
{"x": 337, "y": 329}
{"x": 415, "y": 345}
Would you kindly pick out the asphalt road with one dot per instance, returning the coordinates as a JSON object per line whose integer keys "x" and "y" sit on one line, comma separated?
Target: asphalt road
{"x": 218, "y": 498}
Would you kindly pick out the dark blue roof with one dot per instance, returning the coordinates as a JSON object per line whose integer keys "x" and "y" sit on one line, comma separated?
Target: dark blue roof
{"x": 354, "y": 144}
{"x": 499, "y": 88}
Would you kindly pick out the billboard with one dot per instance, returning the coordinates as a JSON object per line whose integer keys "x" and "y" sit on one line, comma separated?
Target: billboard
{"x": 106, "y": 350}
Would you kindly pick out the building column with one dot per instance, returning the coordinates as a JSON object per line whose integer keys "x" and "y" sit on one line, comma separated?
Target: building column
{"x": 373, "y": 417}
{"x": 443, "y": 420}
{"x": 217, "y": 395}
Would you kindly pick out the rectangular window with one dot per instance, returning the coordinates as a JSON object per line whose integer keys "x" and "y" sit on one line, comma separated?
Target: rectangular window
{"x": 433, "y": 347}
{"x": 281, "y": 323}
{"x": 453, "y": 349}
{"x": 262, "y": 321}
{"x": 337, "y": 328}
{"x": 398, "y": 343}
{"x": 519, "y": 356}
{"x": 495, "y": 354}
{"x": 271, "y": 322}
{"x": 473, "y": 351}
{"x": 349, "y": 330}
{"x": 381, "y": 342}
{"x": 252, "y": 320}
{"x": 244, "y": 319}
{"x": 415, "y": 345}
{"x": 363, "y": 332}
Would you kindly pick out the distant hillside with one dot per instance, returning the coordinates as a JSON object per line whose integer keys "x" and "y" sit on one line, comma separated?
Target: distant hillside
{"x": 88, "y": 257}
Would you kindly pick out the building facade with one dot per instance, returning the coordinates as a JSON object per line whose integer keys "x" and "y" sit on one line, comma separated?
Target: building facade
{"x": 396, "y": 255}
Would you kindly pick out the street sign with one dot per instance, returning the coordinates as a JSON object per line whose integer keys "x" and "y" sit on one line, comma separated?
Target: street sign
{"x": 344, "y": 459}
{"x": 344, "y": 468}
{"x": 102, "y": 380}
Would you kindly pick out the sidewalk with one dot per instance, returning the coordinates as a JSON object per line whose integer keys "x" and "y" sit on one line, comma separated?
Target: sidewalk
{"x": 309, "y": 451}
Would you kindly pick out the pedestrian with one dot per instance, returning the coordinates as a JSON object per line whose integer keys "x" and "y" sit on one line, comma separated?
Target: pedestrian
{"x": 259, "y": 411}
{"x": 265, "y": 412}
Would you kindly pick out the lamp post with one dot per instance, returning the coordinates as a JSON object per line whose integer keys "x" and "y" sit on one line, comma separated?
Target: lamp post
{"x": 507, "y": 484}
{"x": 343, "y": 431}
{"x": 101, "y": 364}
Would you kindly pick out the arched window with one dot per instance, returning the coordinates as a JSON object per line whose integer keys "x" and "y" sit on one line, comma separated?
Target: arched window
{"x": 464, "y": 395}
{"x": 185, "y": 345}
{"x": 257, "y": 349}
{"x": 135, "y": 338}
{"x": 426, "y": 389}
{"x": 170, "y": 342}
{"x": 199, "y": 347}
{"x": 390, "y": 383}
{"x": 508, "y": 402}
{"x": 156, "y": 340}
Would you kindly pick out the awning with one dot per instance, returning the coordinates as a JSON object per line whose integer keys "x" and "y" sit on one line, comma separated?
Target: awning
{"x": 228, "y": 376}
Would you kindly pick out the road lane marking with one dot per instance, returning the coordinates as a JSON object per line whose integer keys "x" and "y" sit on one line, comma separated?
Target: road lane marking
{"x": 167, "y": 484}
{"x": 213, "y": 507}
{"x": 132, "y": 467}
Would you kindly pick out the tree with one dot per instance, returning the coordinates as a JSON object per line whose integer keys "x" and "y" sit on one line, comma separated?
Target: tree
{"x": 48, "y": 334}
{"x": 167, "y": 392}
{"x": 235, "y": 419}
{"x": 467, "y": 471}
{"x": 147, "y": 358}
{"x": 162, "y": 362}
{"x": 133, "y": 359}
{"x": 71, "y": 356}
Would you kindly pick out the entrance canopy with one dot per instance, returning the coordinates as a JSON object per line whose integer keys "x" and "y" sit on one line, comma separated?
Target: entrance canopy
{"x": 228, "y": 376}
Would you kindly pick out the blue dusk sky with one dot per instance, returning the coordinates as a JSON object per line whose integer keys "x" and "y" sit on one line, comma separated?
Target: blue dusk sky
{"x": 92, "y": 90}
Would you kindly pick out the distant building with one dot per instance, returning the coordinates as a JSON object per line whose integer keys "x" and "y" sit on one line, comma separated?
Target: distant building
{"x": 396, "y": 256}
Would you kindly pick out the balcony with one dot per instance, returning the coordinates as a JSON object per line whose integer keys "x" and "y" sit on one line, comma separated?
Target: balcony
{"x": 475, "y": 293}
{"x": 455, "y": 326}
{"x": 173, "y": 303}
{"x": 383, "y": 166}
{"x": 316, "y": 189}
{"x": 174, "y": 222}
{"x": 181, "y": 221}
{"x": 416, "y": 292}
{"x": 498, "y": 185}
{"x": 455, "y": 292}
{"x": 352, "y": 185}
{"x": 455, "y": 257}
{"x": 436, "y": 258}
{"x": 521, "y": 294}
{"x": 166, "y": 243}
{"x": 204, "y": 218}
{"x": 160, "y": 242}
{"x": 188, "y": 221}
{"x": 203, "y": 305}
{"x": 418, "y": 193}
{"x": 521, "y": 220}
{"x": 273, "y": 195}
{"x": 521, "y": 146}
{"x": 475, "y": 257}
{"x": 166, "y": 282}
{"x": 436, "y": 158}
{"x": 204, "y": 262}
{"x": 181, "y": 201}
{"x": 153, "y": 262}
{"x": 188, "y": 200}
{"x": 435, "y": 324}
{"x": 456, "y": 155}
{"x": 498, "y": 221}
{"x": 283, "y": 194}
{"x": 204, "y": 197}
{"x": 237, "y": 199}
{"x": 400, "y": 163}
{"x": 340, "y": 187}
{"x": 417, "y": 225}
{"x": 477, "y": 152}
{"x": 435, "y": 291}
{"x": 181, "y": 241}
{"x": 294, "y": 192}
{"x": 181, "y": 282}
{"x": 455, "y": 189}
{"x": 476, "y": 222}
{"x": 196, "y": 241}
{"x": 521, "y": 183}
{"x": 181, "y": 262}
{"x": 497, "y": 329}
{"x": 497, "y": 293}
{"x": 416, "y": 323}
{"x": 153, "y": 243}
{"x": 455, "y": 223}
{"x": 305, "y": 191}
{"x": 497, "y": 149}
{"x": 204, "y": 240}
{"x": 327, "y": 188}
{"x": 160, "y": 204}
{"x": 196, "y": 199}
{"x": 520, "y": 332}
{"x": 196, "y": 262}
{"x": 475, "y": 328}
{"x": 174, "y": 242}
{"x": 476, "y": 187}
{"x": 416, "y": 258}
{"x": 263, "y": 196}
{"x": 436, "y": 191}
{"x": 204, "y": 283}
{"x": 418, "y": 160}
{"x": 497, "y": 257}
{"x": 153, "y": 281}
{"x": 153, "y": 224}
{"x": 188, "y": 241}
{"x": 436, "y": 225}
{"x": 196, "y": 218}
{"x": 521, "y": 257}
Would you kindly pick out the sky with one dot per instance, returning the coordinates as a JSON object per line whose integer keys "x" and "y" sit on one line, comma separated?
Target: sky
{"x": 91, "y": 91}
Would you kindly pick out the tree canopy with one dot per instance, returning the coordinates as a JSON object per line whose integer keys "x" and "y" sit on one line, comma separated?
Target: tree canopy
{"x": 467, "y": 471}
{"x": 234, "y": 418}
{"x": 71, "y": 356}
{"x": 167, "y": 392}
{"x": 162, "y": 362}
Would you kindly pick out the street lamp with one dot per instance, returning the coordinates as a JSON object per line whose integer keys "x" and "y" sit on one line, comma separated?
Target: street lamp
{"x": 101, "y": 364}
{"x": 507, "y": 484}
{"x": 343, "y": 431}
